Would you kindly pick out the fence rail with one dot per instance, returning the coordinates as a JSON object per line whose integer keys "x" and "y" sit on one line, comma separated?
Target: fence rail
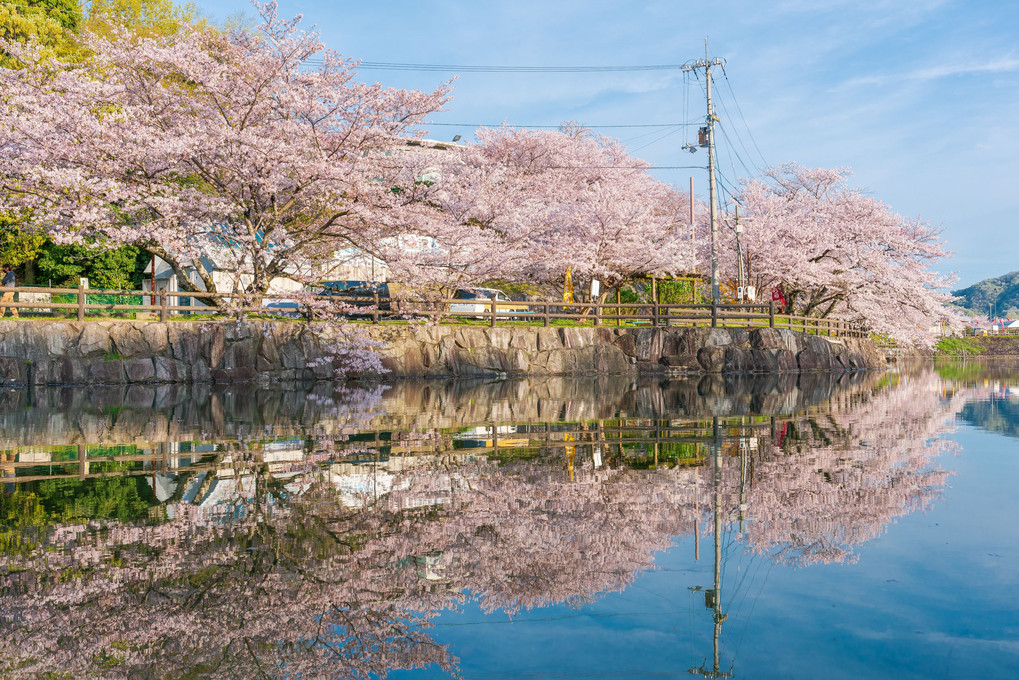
{"x": 147, "y": 459}
{"x": 80, "y": 302}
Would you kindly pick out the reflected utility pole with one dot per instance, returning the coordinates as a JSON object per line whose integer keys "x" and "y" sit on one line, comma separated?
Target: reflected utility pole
{"x": 713, "y": 598}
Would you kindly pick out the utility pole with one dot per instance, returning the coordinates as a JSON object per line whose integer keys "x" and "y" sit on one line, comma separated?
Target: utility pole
{"x": 709, "y": 134}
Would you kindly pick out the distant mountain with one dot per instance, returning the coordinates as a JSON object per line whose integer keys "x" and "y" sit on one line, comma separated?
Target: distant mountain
{"x": 1002, "y": 292}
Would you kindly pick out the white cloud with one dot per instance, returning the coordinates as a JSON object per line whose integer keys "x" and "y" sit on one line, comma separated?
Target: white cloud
{"x": 1002, "y": 65}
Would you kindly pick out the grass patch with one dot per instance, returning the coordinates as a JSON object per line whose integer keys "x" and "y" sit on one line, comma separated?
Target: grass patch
{"x": 959, "y": 346}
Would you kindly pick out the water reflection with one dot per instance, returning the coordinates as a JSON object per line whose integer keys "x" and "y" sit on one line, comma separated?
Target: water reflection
{"x": 993, "y": 387}
{"x": 175, "y": 532}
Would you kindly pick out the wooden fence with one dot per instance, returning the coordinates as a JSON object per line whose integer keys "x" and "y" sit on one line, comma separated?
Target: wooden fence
{"x": 81, "y": 302}
{"x": 637, "y": 436}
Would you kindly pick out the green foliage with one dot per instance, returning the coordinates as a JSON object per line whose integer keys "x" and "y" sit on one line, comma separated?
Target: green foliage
{"x": 22, "y": 518}
{"x": 959, "y": 346}
{"x": 670, "y": 292}
{"x": 670, "y": 454}
{"x": 145, "y": 18}
{"x": 984, "y": 345}
{"x": 513, "y": 288}
{"x": 18, "y": 246}
{"x": 965, "y": 371}
{"x": 26, "y": 513}
{"x": 629, "y": 296}
{"x": 53, "y": 23}
{"x": 72, "y": 500}
{"x": 119, "y": 268}
{"x": 67, "y": 13}
{"x": 48, "y": 22}
{"x": 679, "y": 293}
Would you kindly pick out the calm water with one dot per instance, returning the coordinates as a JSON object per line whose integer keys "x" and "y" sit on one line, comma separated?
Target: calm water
{"x": 864, "y": 526}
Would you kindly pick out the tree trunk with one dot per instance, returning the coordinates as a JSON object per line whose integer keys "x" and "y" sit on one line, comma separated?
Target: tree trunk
{"x": 30, "y": 272}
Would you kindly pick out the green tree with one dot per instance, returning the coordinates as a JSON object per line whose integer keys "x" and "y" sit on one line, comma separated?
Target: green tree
{"x": 51, "y": 23}
{"x": 18, "y": 246}
{"x": 119, "y": 268}
{"x": 145, "y": 18}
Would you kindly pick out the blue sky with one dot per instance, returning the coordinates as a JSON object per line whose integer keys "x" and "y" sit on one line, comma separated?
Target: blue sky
{"x": 920, "y": 98}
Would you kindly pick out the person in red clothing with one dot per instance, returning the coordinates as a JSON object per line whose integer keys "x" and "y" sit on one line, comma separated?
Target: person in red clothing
{"x": 778, "y": 297}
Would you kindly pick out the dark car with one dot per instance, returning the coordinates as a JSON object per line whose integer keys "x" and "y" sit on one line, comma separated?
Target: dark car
{"x": 358, "y": 293}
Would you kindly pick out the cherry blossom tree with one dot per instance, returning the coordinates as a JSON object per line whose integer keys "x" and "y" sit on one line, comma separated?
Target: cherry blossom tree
{"x": 205, "y": 147}
{"x": 839, "y": 253}
{"x": 525, "y": 205}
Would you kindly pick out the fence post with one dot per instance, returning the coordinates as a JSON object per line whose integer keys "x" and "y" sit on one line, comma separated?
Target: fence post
{"x": 493, "y": 311}
{"x": 597, "y": 314}
{"x": 714, "y": 314}
{"x": 618, "y": 313}
{"x": 546, "y": 314}
{"x": 771, "y": 314}
{"x": 81, "y": 302}
{"x": 375, "y": 311}
{"x": 163, "y": 311}
{"x": 654, "y": 313}
{"x": 82, "y": 462}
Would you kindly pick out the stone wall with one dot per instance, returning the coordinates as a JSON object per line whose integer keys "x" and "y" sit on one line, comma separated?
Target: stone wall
{"x": 116, "y": 352}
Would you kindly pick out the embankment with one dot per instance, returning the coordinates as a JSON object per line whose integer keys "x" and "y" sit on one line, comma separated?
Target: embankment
{"x": 118, "y": 352}
{"x": 980, "y": 345}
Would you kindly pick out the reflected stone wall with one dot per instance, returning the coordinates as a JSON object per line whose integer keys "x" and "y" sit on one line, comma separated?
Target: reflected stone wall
{"x": 148, "y": 414}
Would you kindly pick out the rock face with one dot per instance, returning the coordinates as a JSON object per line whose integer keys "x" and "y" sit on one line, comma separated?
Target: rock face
{"x": 117, "y": 352}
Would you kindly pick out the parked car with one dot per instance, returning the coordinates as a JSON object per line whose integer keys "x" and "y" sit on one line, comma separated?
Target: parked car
{"x": 359, "y": 294}
{"x": 282, "y": 307}
{"x": 478, "y": 302}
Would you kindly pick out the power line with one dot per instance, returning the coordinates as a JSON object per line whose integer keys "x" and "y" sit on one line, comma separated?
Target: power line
{"x": 473, "y": 68}
{"x": 515, "y": 125}
{"x": 656, "y": 139}
{"x": 738, "y": 139}
{"x": 623, "y": 167}
{"x": 614, "y": 167}
{"x": 642, "y": 135}
{"x": 749, "y": 131}
{"x": 731, "y": 150}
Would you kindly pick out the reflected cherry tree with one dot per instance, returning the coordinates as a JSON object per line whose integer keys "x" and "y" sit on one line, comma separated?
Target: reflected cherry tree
{"x": 330, "y": 558}
{"x": 830, "y": 481}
